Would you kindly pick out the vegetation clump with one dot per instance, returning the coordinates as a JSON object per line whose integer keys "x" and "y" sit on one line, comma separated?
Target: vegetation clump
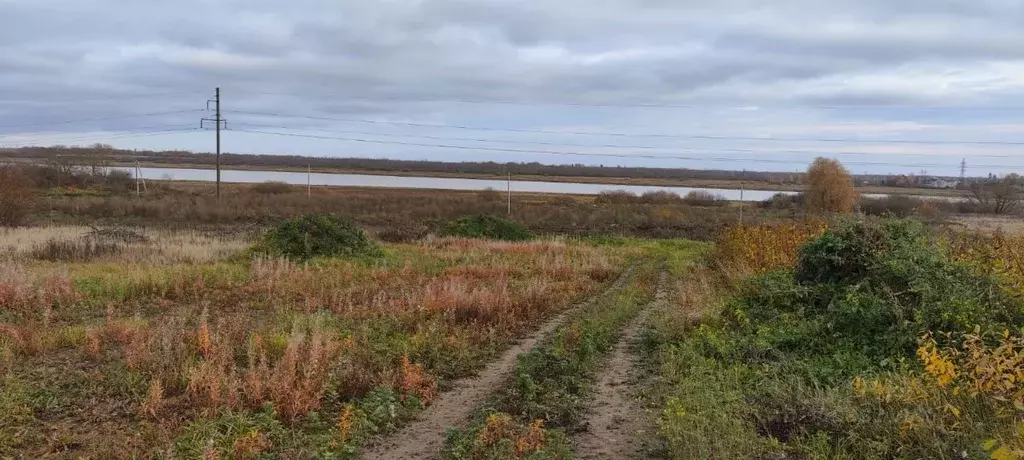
{"x": 17, "y": 196}
{"x": 830, "y": 187}
{"x": 704, "y": 198}
{"x": 488, "y": 227}
{"x": 272, "y": 187}
{"x": 323, "y": 235}
{"x": 877, "y": 339}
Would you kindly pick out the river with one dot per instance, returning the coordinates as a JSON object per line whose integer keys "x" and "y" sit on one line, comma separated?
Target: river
{"x": 436, "y": 183}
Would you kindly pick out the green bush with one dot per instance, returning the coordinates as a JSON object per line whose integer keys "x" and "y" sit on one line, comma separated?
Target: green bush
{"x": 487, "y": 226}
{"x": 770, "y": 375}
{"x": 323, "y": 235}
{"x": 863, "y": 293}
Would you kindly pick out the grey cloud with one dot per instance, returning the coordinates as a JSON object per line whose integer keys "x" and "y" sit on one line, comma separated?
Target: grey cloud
{"x": 288, "y": 57}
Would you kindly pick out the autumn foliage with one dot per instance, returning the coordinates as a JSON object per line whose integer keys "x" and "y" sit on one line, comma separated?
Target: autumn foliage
{"x": 757, "y": 249}
{"x": 830, "y": 188}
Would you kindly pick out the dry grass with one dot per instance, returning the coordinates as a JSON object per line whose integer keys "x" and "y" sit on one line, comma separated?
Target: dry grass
{"x": 164, "y": 247}
{"x": 991, "y": 224}
{"x": 183, "y": 340}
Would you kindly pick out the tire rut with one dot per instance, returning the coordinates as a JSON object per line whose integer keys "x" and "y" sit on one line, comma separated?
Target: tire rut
{"x": 617, "y": 422}
{"x": 424, "y": 437}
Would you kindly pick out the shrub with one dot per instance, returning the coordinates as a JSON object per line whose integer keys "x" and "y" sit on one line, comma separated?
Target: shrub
{"x": 659, "y": 197}
{"x": 761, "y": 248}
{"x": 704, "y": 198}
{"x": 323, "y": 235}
{"x": 487, "y": 226}
{"x": 616, "y": 197}
{"x": 489, "y": 195}
{"x": 864, "y": 292}
{"x": 892, "y": 205}
{"x": 17, "y": 196}
{"x": 830, "y": 189}
{"x": 783, "y": 201}
{"x": 272, "y": 187}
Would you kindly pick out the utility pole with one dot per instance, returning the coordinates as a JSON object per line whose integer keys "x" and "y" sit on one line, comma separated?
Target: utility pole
{"x": 139, "y": 180}
{"x": 217, "y": 96}
{"x": 741, "y": 203}
{"x": 309, "y": 181}
{"x": 219, "y": 121}
{"x": 510, "y": 193}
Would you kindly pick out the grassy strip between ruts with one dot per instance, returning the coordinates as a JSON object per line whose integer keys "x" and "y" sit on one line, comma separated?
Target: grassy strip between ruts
{"x": 546, "y": 396}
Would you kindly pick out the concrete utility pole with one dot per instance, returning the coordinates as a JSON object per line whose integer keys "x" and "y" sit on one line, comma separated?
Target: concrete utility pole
{"x": 219, "y": 121}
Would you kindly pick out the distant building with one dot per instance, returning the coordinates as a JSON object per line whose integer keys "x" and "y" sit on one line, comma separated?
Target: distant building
{"x": 938, "y": 182}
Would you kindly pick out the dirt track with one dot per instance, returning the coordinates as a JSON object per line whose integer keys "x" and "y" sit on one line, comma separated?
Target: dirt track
{"x": 617, "y": 422}
{"x": 424, "y": 437}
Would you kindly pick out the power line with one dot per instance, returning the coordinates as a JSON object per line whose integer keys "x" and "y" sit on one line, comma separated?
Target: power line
{"x": 85, "y": 120}
{"x": 585, "y": 154}
{"x": 639, "y": 135}
{"x": 114, "y": 136}
{"x": 568, "y": 144}
{"x": 695, "y": 105}
{"x": 64, "y": 100}
{"x": 102, "y": 133}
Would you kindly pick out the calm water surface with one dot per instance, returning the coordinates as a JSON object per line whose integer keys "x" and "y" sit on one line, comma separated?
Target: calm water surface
{"x": 437, "y": 183}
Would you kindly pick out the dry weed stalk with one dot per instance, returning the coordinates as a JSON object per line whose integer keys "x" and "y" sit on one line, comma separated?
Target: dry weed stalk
{"x": 154, "y": 401}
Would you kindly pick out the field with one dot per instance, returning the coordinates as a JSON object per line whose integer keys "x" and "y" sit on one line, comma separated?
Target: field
{"x": 397, "y": 213}
{"x": 386, "y": 324}
{"x": 170, "y": 343}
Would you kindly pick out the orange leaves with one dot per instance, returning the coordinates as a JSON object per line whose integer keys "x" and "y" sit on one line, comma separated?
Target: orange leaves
{"x": 416, "y": 382}
{"x": 830, "y": 187}
{"x": 295, "y": 383}
{"x": 203, "y": 339}
{"x": 500, "y": 427}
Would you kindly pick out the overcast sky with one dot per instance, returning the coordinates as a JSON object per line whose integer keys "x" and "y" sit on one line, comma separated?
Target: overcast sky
{"x": 707, "y": 76}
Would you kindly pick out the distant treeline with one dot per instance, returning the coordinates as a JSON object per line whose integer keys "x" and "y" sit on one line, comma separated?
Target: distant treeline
{"x": 102, "y": 153}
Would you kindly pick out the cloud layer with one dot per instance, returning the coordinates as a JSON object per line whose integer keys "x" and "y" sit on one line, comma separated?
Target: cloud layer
{"x": 869, "y": 69}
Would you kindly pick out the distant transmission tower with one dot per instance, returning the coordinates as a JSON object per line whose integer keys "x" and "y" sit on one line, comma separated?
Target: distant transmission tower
{"x": 963, "y": 171}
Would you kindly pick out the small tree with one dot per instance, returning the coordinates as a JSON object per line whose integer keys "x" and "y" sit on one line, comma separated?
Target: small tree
{"x": 998, "y": 196}
{"x": 17, "y": 195}
{"x": 830, "y": 187}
